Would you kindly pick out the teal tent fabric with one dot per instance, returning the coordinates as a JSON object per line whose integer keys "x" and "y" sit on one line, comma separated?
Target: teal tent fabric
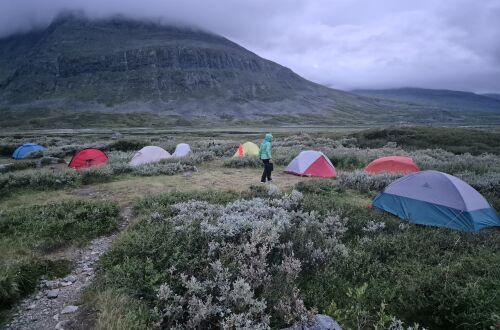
{"x": 437, "y": 199}
{"x": 26, "y": 149}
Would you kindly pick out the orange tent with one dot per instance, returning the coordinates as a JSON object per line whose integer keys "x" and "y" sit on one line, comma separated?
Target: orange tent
{"x": 393, "y": 165}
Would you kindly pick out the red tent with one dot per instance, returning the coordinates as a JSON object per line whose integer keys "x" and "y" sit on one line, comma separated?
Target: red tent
{"x": 87, "y": 158}
{"x": 312, "y": 163}
{"x": 392, "y": 164}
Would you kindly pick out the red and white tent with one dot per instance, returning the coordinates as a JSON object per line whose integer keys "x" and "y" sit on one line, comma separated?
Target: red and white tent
{"x": 312, "y": 163}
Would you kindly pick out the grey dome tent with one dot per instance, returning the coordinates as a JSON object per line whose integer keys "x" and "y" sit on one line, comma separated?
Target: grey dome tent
{"x": 437, "y": 199}
{"x": 149, "y": 154}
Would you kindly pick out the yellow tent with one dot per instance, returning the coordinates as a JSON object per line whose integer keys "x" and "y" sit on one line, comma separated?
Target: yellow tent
{"x": 247, "y": 149}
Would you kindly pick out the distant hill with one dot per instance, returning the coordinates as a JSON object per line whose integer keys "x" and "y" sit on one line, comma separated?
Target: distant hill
{"x": 492, "y": 95}
{"x": 440, "y": 99}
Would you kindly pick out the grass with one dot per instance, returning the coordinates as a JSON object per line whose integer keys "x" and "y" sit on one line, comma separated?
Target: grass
{"x": 439, "y": 278}
{"x": 29, "y": 234}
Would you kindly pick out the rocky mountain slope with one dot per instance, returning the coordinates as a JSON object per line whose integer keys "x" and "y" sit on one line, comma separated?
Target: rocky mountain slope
{"x": 128, "y": 65}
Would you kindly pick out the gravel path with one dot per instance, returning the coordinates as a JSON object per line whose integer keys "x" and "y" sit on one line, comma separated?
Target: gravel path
{"x": 55, "y": 304}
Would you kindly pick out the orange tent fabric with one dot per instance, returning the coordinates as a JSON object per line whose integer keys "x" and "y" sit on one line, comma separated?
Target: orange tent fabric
{"x": 393, "y": 165}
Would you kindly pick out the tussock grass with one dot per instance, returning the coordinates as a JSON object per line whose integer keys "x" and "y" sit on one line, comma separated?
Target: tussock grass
{"x": 27, "y": 234}
{"x": 118, "y": 311}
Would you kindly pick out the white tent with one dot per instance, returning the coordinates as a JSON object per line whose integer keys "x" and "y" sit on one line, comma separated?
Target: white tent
{"x": 149, "y": 154}
{"x": 311, "y": 163}
{"x": 182, "y": 150}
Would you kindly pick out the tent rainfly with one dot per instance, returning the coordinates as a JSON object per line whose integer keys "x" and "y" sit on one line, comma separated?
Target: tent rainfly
{"x": 26, "y": 149}
{"x": 149, "y": 154}
{"x": 437, "y": 199}
{"x": 312, "y": 163}
{"x": 247, "y": 149}
{"x": 86, "y": 158}
{"x": 393, "y": 165}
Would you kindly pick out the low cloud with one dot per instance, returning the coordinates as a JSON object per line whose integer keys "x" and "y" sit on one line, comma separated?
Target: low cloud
{"x": 347, "y": 44}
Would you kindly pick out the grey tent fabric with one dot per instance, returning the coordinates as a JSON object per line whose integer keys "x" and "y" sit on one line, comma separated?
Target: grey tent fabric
{"x": 149, "y": 154}
{"x": 437, "y": 199}
{"x": 439, "y": 188}
{"x": 182, "y": 150}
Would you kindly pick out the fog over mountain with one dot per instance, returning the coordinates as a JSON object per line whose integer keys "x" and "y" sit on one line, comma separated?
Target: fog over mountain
{"x": 347, "y": 44}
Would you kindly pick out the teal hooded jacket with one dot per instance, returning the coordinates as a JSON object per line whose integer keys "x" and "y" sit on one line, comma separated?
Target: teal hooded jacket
{"x": 265, "y": 147}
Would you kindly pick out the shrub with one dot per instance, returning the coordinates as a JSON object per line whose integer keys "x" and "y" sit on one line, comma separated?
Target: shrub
{"x": 97, "y": 174}
{"x": 70, "y": 149}
{"x": 440, "y": 160}
{"x": 18, "y": 166}
{"x": 225, "y": 266}
{"x": 365, "y": 182}
{"x": 126, "y": 145}
{"x": 243, "y": 162}
{"x": 8, "y": 149}
{"x": 51, "y": 225}
{"x": 484, "y": 183}
{"x": 162, "y": 168}
{"x": 37, "y": 180}
{"x": 347, "y": 162}
{"x": 455, "y": 140}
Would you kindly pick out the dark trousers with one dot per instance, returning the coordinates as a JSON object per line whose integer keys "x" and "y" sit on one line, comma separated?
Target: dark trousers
{"x": 267, "y": 171}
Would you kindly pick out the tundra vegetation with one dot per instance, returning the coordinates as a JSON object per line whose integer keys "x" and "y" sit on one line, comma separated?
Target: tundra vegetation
{"x": 231, "y": 253}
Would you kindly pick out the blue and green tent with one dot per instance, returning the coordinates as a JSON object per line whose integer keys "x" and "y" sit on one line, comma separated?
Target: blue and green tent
{"x": 437, "y": 199}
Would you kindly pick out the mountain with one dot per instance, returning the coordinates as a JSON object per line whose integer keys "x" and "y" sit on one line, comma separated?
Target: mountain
{"x": 79, "y": 72}
{"x": 440, "y": 99}
{"x": 125, "y": 65}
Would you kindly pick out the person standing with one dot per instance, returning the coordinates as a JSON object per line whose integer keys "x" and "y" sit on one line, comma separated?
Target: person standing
{"x": 265, "y": 156}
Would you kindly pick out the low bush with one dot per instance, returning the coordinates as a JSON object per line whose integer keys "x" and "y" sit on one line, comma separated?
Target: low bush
{"x": 238, "y": 162}
{"x": 347, "y": 162}
{"x": 455, "y": 140}
{"x": 484, "y": 183}
{"x": 70, "y": 149}
{"x": 8, "y": 149}
{"x": 440, "y": 160}
{"x": 211, "y": 265}
{"x": 96, "y": 174}
{"x": 37, "y": 180}
{"x": 365, "y": 182}
{"x": 126, "y": 145}
{"x": 18, "y": 166}
{"x": 162, "y": 168}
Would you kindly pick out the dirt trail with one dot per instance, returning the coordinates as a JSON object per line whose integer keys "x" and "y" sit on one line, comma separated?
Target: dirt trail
{"x": 55, "y": 304}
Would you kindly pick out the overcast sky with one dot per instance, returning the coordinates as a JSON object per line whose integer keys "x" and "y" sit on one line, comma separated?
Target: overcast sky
{"x": 346, "y": 44}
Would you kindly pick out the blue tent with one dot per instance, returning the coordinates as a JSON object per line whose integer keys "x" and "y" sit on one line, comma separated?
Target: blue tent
{"x": 26, "y": 149}
{"x": 437, "y": 199}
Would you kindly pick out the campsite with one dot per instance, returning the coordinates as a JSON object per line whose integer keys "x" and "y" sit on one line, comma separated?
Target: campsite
{"x": 249, "y": 165}
{"x": 328, "y": 249}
